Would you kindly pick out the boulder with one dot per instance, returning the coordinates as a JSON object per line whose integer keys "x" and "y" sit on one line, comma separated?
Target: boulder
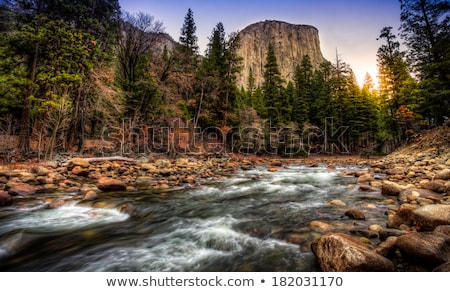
{"x": 340, "y": 252}
{"x": 429, "y": 249}
{"x": 5, "y": 199}
{"x": 22, "y": 189}
{"x": 110, "y": 184}
{"x": 429, "y": 217}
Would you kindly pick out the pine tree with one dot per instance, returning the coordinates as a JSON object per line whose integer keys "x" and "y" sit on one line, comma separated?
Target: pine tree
{"x": 188, "y": 38}
{"x": 272, "y": 88}
{"x": 303, "y": 91}
{"x": 425, "y": 26}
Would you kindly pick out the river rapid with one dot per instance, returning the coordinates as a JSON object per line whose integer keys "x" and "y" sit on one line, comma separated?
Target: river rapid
{"x": 253, "y": 220}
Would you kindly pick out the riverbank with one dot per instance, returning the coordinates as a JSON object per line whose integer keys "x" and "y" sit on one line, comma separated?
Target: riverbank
{"x": 414, "y": 181}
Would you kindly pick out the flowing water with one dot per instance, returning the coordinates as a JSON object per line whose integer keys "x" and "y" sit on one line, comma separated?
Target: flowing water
{"x": 252, "y": 221}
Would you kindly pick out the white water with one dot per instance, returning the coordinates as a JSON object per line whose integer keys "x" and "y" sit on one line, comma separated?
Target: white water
{"x": 237, "y": 224}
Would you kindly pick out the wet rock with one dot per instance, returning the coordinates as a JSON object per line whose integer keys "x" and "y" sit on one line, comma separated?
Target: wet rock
{"x": 272, "y": 169}
{"x": 5, "y": 199}
{"x": 429, "y": 249}
{"x": 365, "y": 178}
{"x": 90, "y": 196}
{"x": 390, "y": 188}
{"x": 340, "y": 252}
{"x": 337, "y": 202}
{"x": 22, "y": 189}
{"x": 375, "y": 227}
{"x": 320, "y": 226}
{"x": 110, "y": 184}
{"x": 355, "y": 214}
{"x": 367, "y": 188}
{"x": 431, "y": 216}
{"x": 53, "y": 204}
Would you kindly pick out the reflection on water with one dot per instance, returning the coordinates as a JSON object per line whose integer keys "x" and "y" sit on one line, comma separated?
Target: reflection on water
{"x": 253, "y": 221}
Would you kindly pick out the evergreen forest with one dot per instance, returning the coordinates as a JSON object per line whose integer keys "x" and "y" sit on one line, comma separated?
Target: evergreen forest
{"x": 86, "y": 77}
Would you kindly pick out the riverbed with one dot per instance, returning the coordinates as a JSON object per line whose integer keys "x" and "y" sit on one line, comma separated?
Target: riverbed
{"x": 252, "y": 220}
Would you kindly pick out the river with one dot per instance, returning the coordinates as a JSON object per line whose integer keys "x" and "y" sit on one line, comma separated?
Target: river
{"x": 254, "y": 220}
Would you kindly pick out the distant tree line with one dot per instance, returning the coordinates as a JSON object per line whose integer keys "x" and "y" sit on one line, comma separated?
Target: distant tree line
{"x": 74, "y": 71}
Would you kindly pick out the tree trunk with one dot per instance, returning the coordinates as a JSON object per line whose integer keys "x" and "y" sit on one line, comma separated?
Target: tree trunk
{"x": 25, "y": 123}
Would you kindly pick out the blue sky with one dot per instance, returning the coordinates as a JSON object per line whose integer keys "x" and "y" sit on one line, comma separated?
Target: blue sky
{"x": 350, "y": 27}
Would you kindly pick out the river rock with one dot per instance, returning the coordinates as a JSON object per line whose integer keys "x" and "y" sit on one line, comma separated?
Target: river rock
{"x": 429, "y": 217}
{"x": 80, "y": 171}
{"x": 22, "y": 189}
{"x": 390, "y": 188}
{"x": 367, "y": 188}
{"x": 340, "y": 252}
{"x": 355, "y": 214}
{"x": 78, "y": 162}
{"x": 443, "y": 174}
{"x": 365, "y": 178}
{"x": 5, "y": 199}
{"x": 41, "y": 170}
{"x": 337, "y": 202}
{"x": 110, "y": 184}
{"x": 429, "y": 249}
{"x": 387, "y": 247}
{"x": 385, "y": 233}
{"x": 435, "y": 185}
{"x": 413, "y": 194}
{"x": 320, "y": 226}
{"x": 403, "y": 215}
{"x": 90, "y": 196}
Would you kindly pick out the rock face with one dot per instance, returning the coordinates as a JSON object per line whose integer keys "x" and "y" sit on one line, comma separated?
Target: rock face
{"x": 291, "y": 42}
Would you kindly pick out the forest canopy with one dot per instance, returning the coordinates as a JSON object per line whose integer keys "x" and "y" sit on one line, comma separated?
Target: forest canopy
{"x": 73, "y": 73}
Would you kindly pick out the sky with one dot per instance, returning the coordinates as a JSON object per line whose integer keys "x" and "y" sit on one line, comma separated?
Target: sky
{"x": 350, "y": 28}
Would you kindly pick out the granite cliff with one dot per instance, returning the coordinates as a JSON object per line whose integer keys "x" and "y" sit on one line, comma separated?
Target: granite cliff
{"x": 291, "y": 42}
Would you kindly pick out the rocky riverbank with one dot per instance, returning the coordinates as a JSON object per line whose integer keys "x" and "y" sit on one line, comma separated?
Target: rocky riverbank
{"x": 415, "y": 182}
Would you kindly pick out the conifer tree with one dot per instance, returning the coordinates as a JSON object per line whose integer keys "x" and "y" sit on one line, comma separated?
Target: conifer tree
{"x": 272, "y": 88}
{"x": 425, "y": 27}
{"x": 188, "y": 38}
